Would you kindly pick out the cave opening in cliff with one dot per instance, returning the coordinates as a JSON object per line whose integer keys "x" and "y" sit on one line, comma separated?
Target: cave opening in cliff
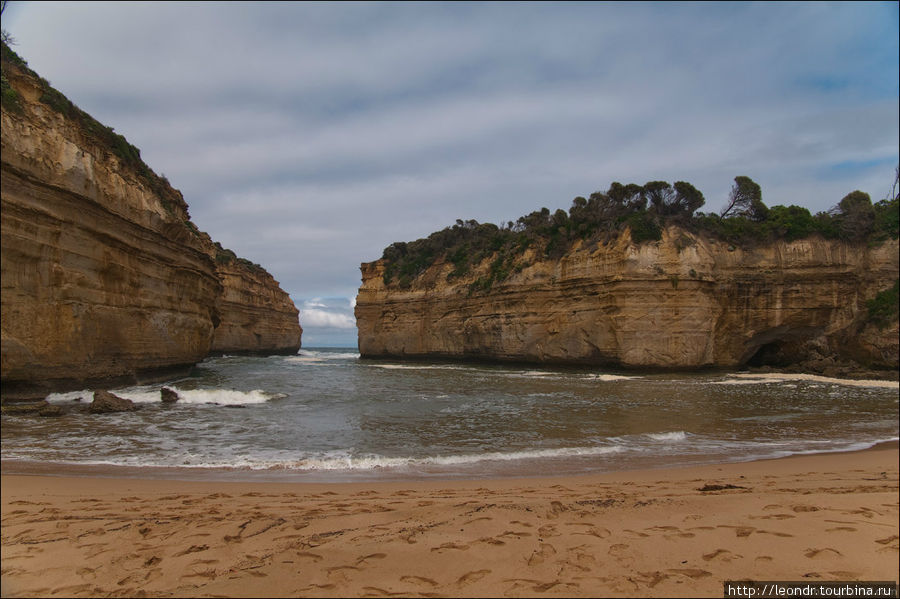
{"x": 769, "y": 354}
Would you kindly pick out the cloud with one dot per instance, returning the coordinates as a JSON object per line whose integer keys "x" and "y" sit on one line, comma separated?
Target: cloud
{"x": 313, "y": 317}
{"x": 333, "y": 314}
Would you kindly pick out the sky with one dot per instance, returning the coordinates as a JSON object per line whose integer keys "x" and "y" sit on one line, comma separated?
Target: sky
{"x": 309, "y": 136}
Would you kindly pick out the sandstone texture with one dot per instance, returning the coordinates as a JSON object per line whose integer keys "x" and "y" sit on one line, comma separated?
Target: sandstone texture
{"x": 256, "y": 315}
{"x": 683, "y": 302}
{"x": 105, "y": 280}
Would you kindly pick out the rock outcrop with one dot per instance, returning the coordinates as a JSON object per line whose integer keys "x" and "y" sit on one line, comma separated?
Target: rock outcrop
{"x": 106, "y": 403}
{"x": 105, "y": 279}
{"x": 683, "y": 302}
{"x": 256, "y": 316}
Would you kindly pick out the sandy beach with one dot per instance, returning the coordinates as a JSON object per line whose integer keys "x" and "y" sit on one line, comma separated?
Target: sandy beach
{"x": 673, "y": 532}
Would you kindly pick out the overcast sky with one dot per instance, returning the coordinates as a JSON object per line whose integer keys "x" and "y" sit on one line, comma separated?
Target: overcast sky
{"x": 309, "y": 136}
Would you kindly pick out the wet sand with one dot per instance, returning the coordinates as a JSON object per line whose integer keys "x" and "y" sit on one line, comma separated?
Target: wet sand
{"x": 667, "y": 532}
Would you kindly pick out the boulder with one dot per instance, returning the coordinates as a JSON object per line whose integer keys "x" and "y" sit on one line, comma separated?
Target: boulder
{"x": 105, "y": 403}
{"x": 168, "y": 395}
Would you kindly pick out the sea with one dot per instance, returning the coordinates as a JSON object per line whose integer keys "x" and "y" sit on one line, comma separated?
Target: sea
{"x": 327, "y": 415}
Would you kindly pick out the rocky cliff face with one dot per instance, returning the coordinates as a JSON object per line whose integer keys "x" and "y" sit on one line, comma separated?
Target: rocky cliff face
{"x": 256, "y": 315}
{"x": 104, "y": 277}
{"x": 682, "y": 302}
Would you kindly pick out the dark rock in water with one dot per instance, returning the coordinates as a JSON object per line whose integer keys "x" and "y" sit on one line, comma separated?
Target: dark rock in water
{"x": 24, "y": 408}
{"x": 105, "y": 402}
{"x": 168, "y": 395}
{"x": 50, "y": 411}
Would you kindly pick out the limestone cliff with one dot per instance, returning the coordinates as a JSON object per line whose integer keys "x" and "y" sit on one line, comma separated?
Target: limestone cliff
{"x": 256, "y": 315}
{"x": 104, "y": 277}
{"x": 684, "y": 301}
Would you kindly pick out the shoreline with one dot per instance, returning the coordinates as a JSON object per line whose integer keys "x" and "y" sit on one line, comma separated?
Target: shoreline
{"x": 523, "y": 471}
{"x": 362, "y": 476}
{"x": 661, "y": 532}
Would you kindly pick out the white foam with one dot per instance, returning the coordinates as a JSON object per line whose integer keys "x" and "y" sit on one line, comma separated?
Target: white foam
{"x": 611, "y": 377}
{"x": 670, "y": 436}
{"x": 340, "y": 461}
{"x": 311, "y": 356}
{"x": 417, "y": 367}
{"x": 149, "y": 395}
{"x": 304, "y": 359}
{"x": 757, "y": 378}
{"x": 224, "y": 397}
{"x": 83, "y": 395}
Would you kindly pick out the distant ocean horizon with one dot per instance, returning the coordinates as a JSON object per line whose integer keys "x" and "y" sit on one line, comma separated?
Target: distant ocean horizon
{"x": 327, "y": 415}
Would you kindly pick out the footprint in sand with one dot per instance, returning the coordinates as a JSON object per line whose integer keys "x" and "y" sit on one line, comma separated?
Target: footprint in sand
{"x": 448, "y": 546}
{"x": 378, "y": 592}
{"x": 579, "y": 560}
{"x": 619, "y": 550}
{"x": 418, "y": 580}
{"x": 636, "y": 533}
{"x": 804, "y": 508}
{"x": 539, "y": 556}
{"x": 813, "y": 553}
{"x": 512, "y": 533}
{"x": 341, "y": 573}
{"x": 651, "y": 579}
{"x": 740, "y": 531}
{"x": 556, "y": 508}
{"x": 192, "y": 549}
{"x": 210, "y": 573}
{"x": 307, "y": 555}
{"x": 472, "y": 577}
{"x": 773, "y": 532}
{"x": 548, "y": 530}
{"x": 693, "y": 573}
{"x": 721, "y": 555}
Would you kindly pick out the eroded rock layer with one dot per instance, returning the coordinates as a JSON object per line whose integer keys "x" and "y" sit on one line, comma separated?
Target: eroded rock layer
{"x": 256, "y": 315}
{"x": 683, "y": 302}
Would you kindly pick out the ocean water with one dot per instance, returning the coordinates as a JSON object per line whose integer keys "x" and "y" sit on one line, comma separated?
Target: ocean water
{"x": 327, "y": 415}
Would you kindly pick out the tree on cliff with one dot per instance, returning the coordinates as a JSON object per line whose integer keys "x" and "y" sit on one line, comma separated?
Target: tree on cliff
{"x": 745, "y": 200}
{"x": 7, "y": 38}
{"x": 855, "y": 216}
{"x": 680, "y": 200}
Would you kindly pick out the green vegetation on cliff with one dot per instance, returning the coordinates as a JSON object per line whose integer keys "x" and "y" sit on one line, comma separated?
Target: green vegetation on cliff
{"x": 642, "y": 210}
{"x": 883, "y": 308}
{"x": 225, "y": 256}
